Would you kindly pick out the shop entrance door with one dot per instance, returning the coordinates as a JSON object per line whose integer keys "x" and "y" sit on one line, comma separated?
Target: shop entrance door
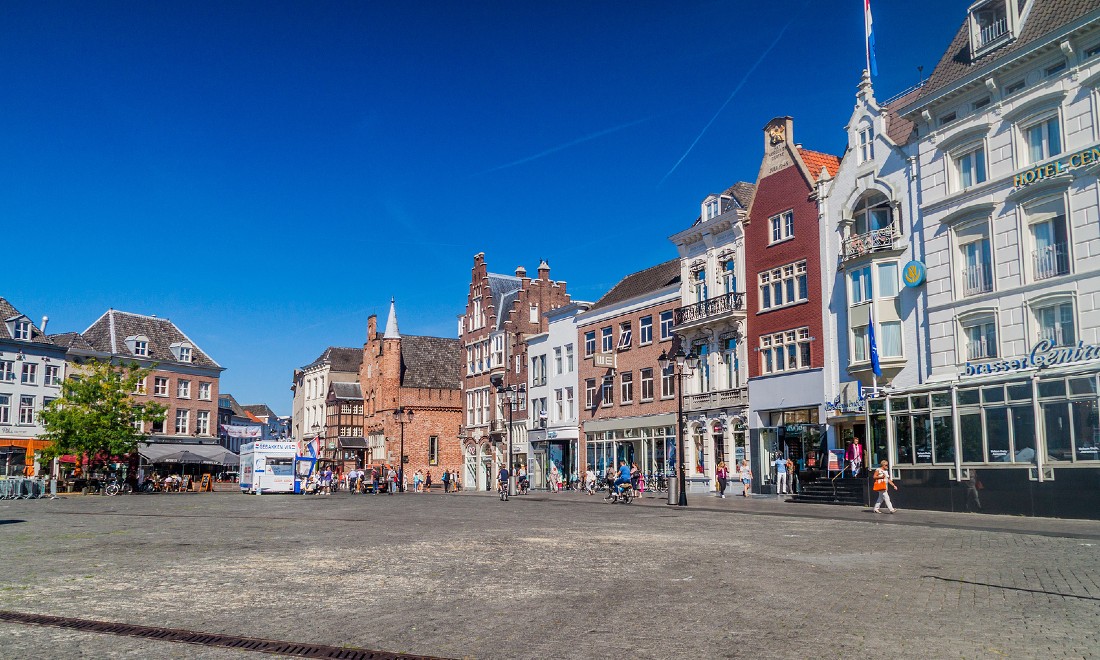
{"x": 536, "y": 471}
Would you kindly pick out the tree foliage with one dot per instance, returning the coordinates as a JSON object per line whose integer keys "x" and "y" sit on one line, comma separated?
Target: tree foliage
{"x": 95, "y": 414}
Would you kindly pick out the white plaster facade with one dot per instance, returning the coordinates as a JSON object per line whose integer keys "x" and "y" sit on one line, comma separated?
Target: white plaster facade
{"x": 711, "y": 324}
{"x": 869, "y": 237}
{"x": 552, "y": 425}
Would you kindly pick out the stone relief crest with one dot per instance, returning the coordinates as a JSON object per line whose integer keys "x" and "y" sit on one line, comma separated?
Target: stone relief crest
{"x": 777, "y": 134}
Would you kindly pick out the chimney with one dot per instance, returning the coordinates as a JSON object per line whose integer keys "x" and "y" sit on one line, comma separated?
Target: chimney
{"x": 544, "y": 270}
{"x": 45, "y": 320}
{"x": 372, "y": 326}
{"x": 521, "y": 272}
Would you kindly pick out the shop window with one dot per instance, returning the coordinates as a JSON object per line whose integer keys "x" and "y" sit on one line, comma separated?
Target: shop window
{"x": 996, "y": 433}
{"x": 943, "y": 438}
{"x": 970, "y": 435}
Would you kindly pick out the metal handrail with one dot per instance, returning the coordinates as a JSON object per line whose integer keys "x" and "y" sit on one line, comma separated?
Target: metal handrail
{"x": 728, "y": 302}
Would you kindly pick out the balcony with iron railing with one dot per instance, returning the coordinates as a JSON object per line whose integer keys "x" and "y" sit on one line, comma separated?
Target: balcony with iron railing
{"x": 977, "y": 279}
{"x": 710, "y": 309}
{"x": 1051, "y": 261}
{"x": 716, "y": 400}
{"x": 858, "y": 245}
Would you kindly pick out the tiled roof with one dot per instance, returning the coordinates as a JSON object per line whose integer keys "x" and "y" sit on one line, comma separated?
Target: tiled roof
{"x": 8, "y": 311}
{"x": 260, "y": 410}
{"x": 431, "y": 362}
{"x": 815, "y": 160}
{"x": 505, "y": 290}
{"x": 108, "y": 335}
{"x": 71, "y": 340}
{"x": 233, "y": 405}
{"x": 645, "y": 281}
{"x": 347, "y": 391}
{"x": 1045, "y": 17}
{"x": 339, "y": 359}
{"x": 742, "y": 191}
{"x": 898, "y": 128}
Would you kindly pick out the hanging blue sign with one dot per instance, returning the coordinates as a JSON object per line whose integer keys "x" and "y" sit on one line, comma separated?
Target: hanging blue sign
{"x": 913, "y": 274}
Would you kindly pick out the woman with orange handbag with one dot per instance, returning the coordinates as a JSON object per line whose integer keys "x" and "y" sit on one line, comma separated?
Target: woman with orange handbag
{"x": 882, "y": 482}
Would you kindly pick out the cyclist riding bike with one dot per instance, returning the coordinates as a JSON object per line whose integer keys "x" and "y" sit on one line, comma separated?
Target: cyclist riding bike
{"x": 624, "y": 476}
{"x": 502, "y": 480}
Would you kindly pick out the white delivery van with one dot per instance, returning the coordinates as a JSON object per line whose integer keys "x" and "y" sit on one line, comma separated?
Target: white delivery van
{"x": 268, "y": 467}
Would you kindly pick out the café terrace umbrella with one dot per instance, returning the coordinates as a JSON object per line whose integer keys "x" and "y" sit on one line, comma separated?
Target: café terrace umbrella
{"x": 184, "y": 457}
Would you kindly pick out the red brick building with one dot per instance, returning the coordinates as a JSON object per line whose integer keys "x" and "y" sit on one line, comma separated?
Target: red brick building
{"x": 417, "y": 375}
{"x": 344, "y": 418}
{"x": 784, "y": 301}
{"x": 184, "y": 378}
{"x": 629, "y": 412}
{"x": 501, "y": 312}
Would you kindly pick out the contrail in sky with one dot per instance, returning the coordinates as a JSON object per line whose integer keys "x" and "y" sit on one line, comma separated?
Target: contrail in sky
{"x": 571, "y": 143}
{"x": 728, "y": 99}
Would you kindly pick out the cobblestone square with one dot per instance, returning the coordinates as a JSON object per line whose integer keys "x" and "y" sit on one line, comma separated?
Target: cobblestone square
{"x": 547, "y": 576}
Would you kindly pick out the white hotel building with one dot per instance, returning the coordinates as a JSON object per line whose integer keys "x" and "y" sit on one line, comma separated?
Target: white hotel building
{"x": 1007, "y": 419}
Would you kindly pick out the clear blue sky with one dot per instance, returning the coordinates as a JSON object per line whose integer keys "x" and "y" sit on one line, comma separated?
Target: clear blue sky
{"x": 267, "y": 174}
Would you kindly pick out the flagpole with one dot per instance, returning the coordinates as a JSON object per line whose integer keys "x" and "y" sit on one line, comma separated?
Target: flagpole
{"x": 866, "y": 36}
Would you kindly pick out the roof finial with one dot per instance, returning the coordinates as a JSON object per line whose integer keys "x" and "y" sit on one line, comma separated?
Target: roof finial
{"x": 391, "y": 323}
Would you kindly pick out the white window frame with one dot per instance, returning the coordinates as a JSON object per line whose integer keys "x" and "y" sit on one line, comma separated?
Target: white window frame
{"x": 981, "y": 320}
{"x": 589, "y": 343}
{"x": 158, "y": 381}
{"x": 976, "y": 153}
{"x": 1023, "y": 128}
{"x": 183, "y": 388}
{"x": 781, "y": 227}
{"x": 626, "y": 387}
{"x": 29, "y": 375}
{"x": 202, "y": 422}
{"x": 22, "y": 330}
{"x": 607, "y": 392}
{"x": 607, "y": 339}
{"x": 7, "y": 371}
{"x": 51, "y": 375}
{"x": 666, "y": 325}
{"x": 626, "y": 335}
{"x": 786, "y": 280}
{"x": 204, "y": 391}
{"x": 775, "y": 350}
{"x": 141, "y": 348}
{"x": 183, "y": 421}
{"x": 645, "y": 381}
{"x": 865, "y": 142}
{"x": 26, "y": 410}
{"x": 590, "y": 389}
{"x": 5, "y": 408}
{"x": 569, "y": 358}
{"x": 558, "y": 366}
{"x": 1056, "y": 302}
{"x": 645, "y": 330}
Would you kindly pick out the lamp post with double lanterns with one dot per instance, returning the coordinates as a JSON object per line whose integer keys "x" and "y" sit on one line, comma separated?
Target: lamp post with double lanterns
{"x": 513, "y": 395}
{"x": 402, "y": 416}
{"x": 684, "y": 365}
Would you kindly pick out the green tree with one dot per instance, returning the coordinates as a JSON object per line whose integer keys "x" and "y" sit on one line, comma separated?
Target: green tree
{"x": 95, "y": 414}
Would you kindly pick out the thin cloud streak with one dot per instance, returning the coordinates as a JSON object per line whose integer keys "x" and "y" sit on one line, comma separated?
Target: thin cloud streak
{"x": 736, "y": 89}
{"x": 561, "y": 147}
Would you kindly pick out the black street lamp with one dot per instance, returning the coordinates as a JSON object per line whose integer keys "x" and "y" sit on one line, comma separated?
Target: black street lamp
{"x": 684, "y": 365}
{"x": 402, "y": 416}
{"x": 512, "y": 395}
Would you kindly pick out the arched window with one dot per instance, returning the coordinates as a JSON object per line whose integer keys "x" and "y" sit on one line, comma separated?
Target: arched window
{"x": 872, "y": 213}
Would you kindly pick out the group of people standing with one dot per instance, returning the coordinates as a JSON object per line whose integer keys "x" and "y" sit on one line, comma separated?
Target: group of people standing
{"x": 377, "y": 479}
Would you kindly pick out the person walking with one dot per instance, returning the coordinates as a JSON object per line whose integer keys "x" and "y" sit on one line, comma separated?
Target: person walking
{"x": 746, "y": 478}
{"x": 780, "y": 474}
{"x": 428, "y": 481}
{"x": 417, "y": 477}
{"x": 446, "y": 478}
{"x": 856, "y": 464}
{"x": 353, "y": 479}
{"x": 391, "y": 480}
{"x": 635, "y": 476}
{"x": 374, "y": 480}
{"x": 723, "y": 476}
{"x": 555, "y": 478}
{"x": 590, "y": 480}
{"x": 883, "y": 481}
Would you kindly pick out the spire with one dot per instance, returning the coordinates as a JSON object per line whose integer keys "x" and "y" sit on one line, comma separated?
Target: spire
{"x": 391, "y": 323}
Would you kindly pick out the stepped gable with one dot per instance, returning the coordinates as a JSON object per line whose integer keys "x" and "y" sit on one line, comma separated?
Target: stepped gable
{"x": 431, "y": 362}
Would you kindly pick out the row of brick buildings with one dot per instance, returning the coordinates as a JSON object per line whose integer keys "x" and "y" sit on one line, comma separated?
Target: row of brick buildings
{"x": 930, "y": 294}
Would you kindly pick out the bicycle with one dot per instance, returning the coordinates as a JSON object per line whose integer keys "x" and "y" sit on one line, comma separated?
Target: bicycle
{"x": 113, "y": 487}
{"x": 503, "y": 488}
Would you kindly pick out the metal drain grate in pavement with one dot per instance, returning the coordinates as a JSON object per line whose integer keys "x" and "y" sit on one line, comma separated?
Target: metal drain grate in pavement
{"x": 273, "y": 646}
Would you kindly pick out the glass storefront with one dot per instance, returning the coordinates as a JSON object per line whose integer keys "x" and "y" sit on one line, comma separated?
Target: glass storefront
{"x": 653, "y": 449}
{"x": 997, "y": 423}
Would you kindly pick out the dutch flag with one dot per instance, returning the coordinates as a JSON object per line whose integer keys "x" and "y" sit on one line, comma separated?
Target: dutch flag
{"x": 869, "y": 30}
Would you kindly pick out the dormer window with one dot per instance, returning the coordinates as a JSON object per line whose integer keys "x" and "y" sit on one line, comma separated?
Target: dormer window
{"x": 22, "y": 330}
{"x": 993, "y": 23}
{"x": 181, "y": 351}
{"x": 138, "y": 345}
{"x": 712, "y": 208}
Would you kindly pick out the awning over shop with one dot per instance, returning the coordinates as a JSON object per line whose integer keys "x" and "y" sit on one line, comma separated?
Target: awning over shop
{"x": 353, "y": 443}
{"x": 162, "y": 451}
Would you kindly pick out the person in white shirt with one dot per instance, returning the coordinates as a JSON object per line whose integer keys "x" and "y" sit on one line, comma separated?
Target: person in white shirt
{"x": 883, "y": 481}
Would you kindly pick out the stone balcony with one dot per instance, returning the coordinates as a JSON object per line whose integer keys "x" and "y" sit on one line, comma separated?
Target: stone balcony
{"x": 716, "y": 400}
